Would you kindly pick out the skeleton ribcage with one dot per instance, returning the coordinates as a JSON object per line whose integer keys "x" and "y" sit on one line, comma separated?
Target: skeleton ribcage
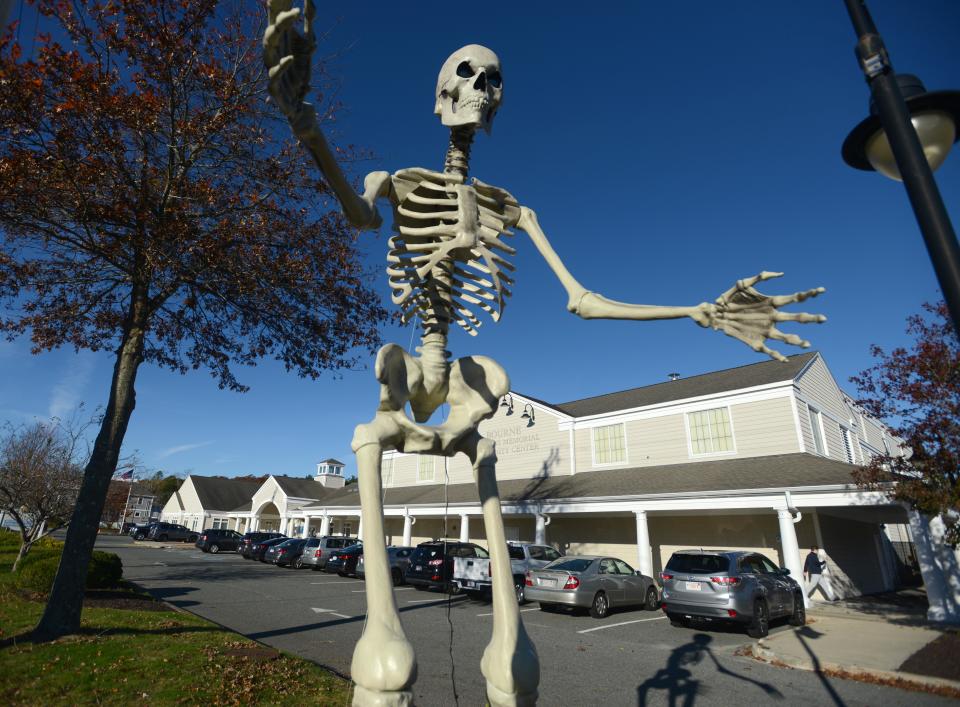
{"x": 446, "y": 261}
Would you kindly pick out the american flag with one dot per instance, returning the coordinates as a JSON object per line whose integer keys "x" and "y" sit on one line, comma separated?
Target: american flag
{"x": 127, "y": 475}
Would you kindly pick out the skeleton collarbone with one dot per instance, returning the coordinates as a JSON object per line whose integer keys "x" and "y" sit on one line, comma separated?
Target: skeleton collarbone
{"x": 449, "y": 257}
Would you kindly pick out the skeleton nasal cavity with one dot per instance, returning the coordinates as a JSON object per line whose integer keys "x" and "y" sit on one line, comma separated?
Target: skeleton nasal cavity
{"x": 469, "y": 88}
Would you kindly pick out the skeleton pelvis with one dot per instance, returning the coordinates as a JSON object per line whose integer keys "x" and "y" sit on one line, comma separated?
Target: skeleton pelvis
{"x": 473, "y": 389}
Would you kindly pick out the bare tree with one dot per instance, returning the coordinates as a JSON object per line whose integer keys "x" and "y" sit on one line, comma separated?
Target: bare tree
{"x": 39, "y": 479}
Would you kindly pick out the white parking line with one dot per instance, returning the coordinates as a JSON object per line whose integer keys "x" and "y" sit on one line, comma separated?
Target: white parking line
{"x": 521, "y": 611}
{"x": 361, "y": 591}
{"x": 329, "y": 611}
{"x": 622, "y": 623}
{"x": 349, "y": 581}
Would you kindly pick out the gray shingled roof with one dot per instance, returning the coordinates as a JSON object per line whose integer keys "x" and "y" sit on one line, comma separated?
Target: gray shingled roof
{"x": 716, "y": 382}
{"x": 219, "y": 494}
{"x": 779, "y": 471}
{"x": 331, "y": 460}
{"x": 302, "y": 488}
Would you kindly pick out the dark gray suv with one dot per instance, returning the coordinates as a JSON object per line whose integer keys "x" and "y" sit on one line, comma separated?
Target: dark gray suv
{"x": 739, "y": 586}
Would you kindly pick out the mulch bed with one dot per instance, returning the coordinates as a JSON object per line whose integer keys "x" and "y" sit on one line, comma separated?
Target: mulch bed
{"x": 937, "y": 659}
{"x": 119, "y": 599}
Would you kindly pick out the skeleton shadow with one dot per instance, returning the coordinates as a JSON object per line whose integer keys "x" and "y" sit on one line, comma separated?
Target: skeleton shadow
{"x": 804, "y": 635}
{"x": 678, "y": 681}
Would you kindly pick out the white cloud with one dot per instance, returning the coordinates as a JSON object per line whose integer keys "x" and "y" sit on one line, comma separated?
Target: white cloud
{"x": 170, "y": 451}
{"x": 68, "y": 393}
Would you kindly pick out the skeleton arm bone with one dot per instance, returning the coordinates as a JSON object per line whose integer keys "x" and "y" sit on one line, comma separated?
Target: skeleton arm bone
{"x": 741, "y": 312}
{"x": 287, "y": 55}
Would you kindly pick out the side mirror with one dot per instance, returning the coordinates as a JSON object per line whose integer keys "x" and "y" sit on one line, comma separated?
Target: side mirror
{"x": 638, "y": 573}
{"x": 784, "y": 571}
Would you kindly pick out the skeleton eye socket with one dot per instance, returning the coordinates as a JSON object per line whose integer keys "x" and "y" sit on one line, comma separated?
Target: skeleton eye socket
{"x": 494, "y": 79}
{"x": 464, "y": 70}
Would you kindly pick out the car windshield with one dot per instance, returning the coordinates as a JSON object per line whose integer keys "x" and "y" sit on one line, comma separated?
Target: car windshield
{"x": 516, "y": 552}
{"x": 569, "y": 564}
{"x": 353, "y": 549}
{"x": 697, "y": 563}
{"x": 428, "y": 551}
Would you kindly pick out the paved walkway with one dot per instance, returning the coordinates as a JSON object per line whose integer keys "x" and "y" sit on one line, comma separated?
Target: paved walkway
{"x": 869, "y": 637}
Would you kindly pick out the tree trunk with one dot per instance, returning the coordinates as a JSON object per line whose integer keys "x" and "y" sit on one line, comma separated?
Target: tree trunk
{"x": 62, "y": 613}
{"x": 24, "y": 549}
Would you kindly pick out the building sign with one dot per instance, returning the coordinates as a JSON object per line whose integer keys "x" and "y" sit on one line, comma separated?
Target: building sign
{"x": 516, "y": 439}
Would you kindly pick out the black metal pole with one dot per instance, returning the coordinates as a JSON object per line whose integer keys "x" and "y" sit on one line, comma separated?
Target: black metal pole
{"x": 938, "y": 234}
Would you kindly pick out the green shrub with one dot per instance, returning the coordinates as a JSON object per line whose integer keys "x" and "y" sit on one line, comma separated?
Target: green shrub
{"x": 105, "y": 571}
{"x": 38, "y": 570}
{"x": 9, "y": 538}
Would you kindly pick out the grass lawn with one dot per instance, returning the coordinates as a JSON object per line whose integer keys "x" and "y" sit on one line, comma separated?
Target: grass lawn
{"x": 132, "y": 650}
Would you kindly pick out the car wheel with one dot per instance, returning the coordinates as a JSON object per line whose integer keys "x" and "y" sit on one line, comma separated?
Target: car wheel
{"x": 192, "y": 539}
{"x": 760, "y": 624}
{"x": 651, "y": 603}
{"x": 138, "y": 536}
{"x": 397, "y": 576}
{"x": 521, "y": 594}
{"x": 298, "y": 564}
{"x": 600, "y": 606}
{"x": 799, "y": 615}
{"x": 453, "y": 588}
{"x": 214, "y": 549}
{"x": 677, "y": 620}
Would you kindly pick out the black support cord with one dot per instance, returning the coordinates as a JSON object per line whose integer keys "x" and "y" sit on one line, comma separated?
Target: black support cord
{"x": 446, "y": 506}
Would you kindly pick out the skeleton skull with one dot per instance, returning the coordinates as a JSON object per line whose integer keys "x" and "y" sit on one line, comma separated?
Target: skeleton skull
{"x": 469, "y": 88}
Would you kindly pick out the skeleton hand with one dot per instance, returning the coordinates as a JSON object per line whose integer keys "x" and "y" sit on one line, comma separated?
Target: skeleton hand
{"x": 287, "y": 54}
{"x": 751, "y": 316}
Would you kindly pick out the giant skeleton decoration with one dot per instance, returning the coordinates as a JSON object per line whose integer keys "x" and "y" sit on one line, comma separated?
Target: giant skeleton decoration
{"x": 448, "y": 262}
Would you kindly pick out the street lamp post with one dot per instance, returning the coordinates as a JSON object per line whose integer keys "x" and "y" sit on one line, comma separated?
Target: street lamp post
{"x": 891, "y": 143}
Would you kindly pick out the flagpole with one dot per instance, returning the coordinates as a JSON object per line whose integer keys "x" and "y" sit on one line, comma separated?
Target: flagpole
{"x": 123, "y": 518}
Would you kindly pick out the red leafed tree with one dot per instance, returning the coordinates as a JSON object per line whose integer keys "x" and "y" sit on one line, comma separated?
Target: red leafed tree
{"x": 147, "y": 209}
{"x": 917, "y": 392}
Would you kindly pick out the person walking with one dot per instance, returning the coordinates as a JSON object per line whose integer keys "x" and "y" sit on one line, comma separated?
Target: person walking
{"x": 812, "y": 570}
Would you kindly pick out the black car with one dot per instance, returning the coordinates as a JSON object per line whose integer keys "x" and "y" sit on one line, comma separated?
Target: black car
{"x": 431, "y": 565}
{"x": 259, "y": 548}
{"x": 288, "y": 554}
{"x": 344, "y": 562}
{"x": 172, "y": 531}
{"x": 216, "y": 539}
{"x": 249, "y": 539}
{"x": 140, "y": 532}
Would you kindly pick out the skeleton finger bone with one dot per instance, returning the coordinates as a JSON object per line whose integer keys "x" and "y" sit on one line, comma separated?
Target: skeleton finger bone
{"x": 802, "y": 317}
{"x": 791, "y": 339}
{"x": 781, "y": 300}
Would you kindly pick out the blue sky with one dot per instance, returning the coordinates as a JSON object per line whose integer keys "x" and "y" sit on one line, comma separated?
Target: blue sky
{"x": 668, "y": 149}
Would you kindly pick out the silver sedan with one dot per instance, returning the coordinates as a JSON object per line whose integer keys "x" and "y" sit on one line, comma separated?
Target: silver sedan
{"x": 591, "y": 582}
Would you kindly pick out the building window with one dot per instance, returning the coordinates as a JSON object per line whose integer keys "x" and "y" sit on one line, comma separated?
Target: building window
{"x": 710, "y": 431}
{"x": 425, "y": 468}
{"x": 847, "y": 445}
{"x": 220, "y": 523}
{"x": 345, "y": 531}
{"x": 609, "y": 444}
{"x": 816, "y": 429}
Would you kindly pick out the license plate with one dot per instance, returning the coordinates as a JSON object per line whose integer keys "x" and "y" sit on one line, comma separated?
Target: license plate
{"x": 548, "y": 582}
{"x": 693, "y": 586}
{"x": 418, "y": 568}
{"x": 470, "y": 583}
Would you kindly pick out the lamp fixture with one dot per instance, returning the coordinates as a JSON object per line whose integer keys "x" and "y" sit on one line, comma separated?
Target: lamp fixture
{"x": 528, "y": 414}
{"x": 507, "y": 402}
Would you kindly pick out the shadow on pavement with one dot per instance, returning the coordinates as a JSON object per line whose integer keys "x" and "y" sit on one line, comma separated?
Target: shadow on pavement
{"x": 804, "y": 635}
{"x": 678, "y": 682}
{"x": 27, "y": 637}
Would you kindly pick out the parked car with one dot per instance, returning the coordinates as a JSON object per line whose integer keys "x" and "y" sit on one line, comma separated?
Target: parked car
{"x": 172, "y": 531}
{"x": 286, "y": 553}
{"x": 431, "y": 565}
{"x": 344, "y": 562}
{"x": 473, "y": 574}
{"x": 248, "y": 540}
{"x": 739, "y": 586}
{"x": 398, "y": 559}
{"x": 214, "y": 540}
{"x": 258, "y": 549}
{"x": 315, "y": 556}
{"x": 140, "y": 532}
{"x": 588, "y": 582}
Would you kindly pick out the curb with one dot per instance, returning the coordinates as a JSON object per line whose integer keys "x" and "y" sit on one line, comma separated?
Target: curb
{"x": 910, "y": 681}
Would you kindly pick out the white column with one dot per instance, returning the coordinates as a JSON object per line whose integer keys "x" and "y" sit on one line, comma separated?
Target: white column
{"x": 464, "y": 528}
{"x": 360, "y": 529}
{"x": 540, "y": 537}
{"x": 943, "y": 588}
{"x": 283, "y": 525}
{"x": 305, "y": 531}
{"x": 254, "y": 522}
{"x": 644, "y": 556}
{"x": 791, "y": 550}
{"x": 408, "y": 521}
{"x": 325, "y": 525}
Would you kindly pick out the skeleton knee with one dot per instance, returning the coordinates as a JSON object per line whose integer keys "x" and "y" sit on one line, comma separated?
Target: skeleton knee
{"x": 363, "y": 435}
{"x": 486, "y": 453}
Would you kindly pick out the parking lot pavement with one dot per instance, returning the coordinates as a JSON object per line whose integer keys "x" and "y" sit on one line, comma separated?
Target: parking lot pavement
{"x": 629, "y": 658}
